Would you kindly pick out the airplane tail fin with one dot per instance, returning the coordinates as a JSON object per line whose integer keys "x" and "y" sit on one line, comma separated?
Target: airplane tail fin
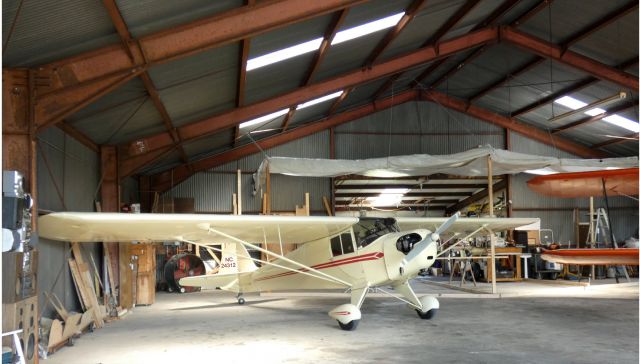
{"x": 234, "y": 267}
{"x": 234, "y": 259}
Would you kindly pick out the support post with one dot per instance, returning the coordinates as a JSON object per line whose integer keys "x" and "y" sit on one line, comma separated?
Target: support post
{"x": 592, "y": 232}
{"x": 492, "y": 261}
{"x": 490, "y": 186}
{"x": 239, "y": 197}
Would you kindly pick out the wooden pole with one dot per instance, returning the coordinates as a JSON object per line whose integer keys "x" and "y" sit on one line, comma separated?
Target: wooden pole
{"x": 490, "y": 184}
{"x": 267, "y": 196}
{"x": 239, "y": 192}
{"x": 592, "y": 232}
{"x": 492, "y": 261}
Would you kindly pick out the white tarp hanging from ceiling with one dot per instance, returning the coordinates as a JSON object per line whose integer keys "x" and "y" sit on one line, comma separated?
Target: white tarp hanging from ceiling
{"x": 469, "y": 163}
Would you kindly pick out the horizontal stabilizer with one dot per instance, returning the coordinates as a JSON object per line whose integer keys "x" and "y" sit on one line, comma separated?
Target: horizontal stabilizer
{"x": 212, "y": 281}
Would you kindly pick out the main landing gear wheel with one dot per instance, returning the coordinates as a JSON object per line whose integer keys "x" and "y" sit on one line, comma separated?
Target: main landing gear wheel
{"x": 241, "y": 301}
{"x": 427, "y": 315}
{"x": 350, "y": 326}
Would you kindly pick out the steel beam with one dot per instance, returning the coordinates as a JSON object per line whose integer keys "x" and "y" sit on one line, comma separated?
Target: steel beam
{"x": 491, "y": 20}
{"x": 76, "y": 81}
{"x": 567, "y": 90}
{"x": 165, "y": 180}
{"x": 488, "y": 21}
{"x": 232, "y": 118}
{"x": 601, "y": 23}
{"x": 527, "y": 67}
{"x": 451, "y": 22}
{"x": 618, "y": 140}
{"x": 476, "y": 197}
{"x": 79, "y": 136}
{"x": 510, "y": 123}
{"x": 409, "y": 14}
{"x": 411, "y": 186}
{"x": 573, "y": 59}
{"x": 592, "y": 119}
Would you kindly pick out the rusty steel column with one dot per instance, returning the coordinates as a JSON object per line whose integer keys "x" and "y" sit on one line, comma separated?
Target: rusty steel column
{"x": 18, "y": 129}
{"x": 110, "y": 202}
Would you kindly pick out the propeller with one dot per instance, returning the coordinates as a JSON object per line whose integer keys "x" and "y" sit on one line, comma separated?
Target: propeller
{"x": 434, "y": 236}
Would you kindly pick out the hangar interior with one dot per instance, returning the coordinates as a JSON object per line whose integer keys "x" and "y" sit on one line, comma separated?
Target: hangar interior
{"x": 170, "y": 107}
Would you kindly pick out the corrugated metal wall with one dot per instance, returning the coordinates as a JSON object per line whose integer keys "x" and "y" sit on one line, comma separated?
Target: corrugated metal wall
{"x": 557, "y": 213}
{"x": 68, "y": 177}
{"x": 212, "y": 190}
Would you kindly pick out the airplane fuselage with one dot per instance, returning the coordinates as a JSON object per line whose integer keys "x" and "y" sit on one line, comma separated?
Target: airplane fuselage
{"x": 376, "y": 264}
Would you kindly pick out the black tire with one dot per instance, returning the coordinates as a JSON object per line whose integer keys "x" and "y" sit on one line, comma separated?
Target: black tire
{"x": 427, "y": 315}
{"x": 554, "y": 276}
{"x": 183, "y": 290}
{"x": 350, "y": 326}
{"x": 241, "y": 301}
{"x": 70, "y": 341}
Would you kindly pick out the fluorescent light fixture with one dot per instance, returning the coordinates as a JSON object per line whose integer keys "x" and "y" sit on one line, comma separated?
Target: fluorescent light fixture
{"x": 578, "y": 106}
{"x": 264, "y": 118}
{"x": 570, "y": 102}
{"x": 319, "y": 100}
{"x": 623, "y": 122}
{"x": 388, "y": 197}
{"x": 367, "y": 28}
{"x": 541, "y": 172}
{"x": 283, "y": 54}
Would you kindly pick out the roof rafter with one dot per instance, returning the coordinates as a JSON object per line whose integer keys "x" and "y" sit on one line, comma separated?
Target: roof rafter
{"x": 165, "y": 180}
{"x": 245, "y": 44}
{"x": 592, "y": 119}
{"x": 492, "y": 19}
{"x": 229, "y": 119}
{"x": 329, "y": 34}
{"x": 125, "y": 37}
{"x": 477, "y": 197}
{"x": 578, "y": 36}
{"x": 410, "y": 13}
{"x": 567, "y": 90}
{"x": 79, "y": 80}
{"x": 434, "y": 39}
{"x": 509, "y": 123}
{"x": 617, "y": 140}
{"x": 570, "y": 58}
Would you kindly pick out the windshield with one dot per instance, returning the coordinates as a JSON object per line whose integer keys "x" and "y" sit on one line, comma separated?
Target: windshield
{"x": 368, "y": 229}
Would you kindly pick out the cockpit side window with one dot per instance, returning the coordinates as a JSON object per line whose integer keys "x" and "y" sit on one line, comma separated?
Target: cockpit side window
{"x": 347, "y": 243}
{"x": 368, "y": 230}
{"x": 336, "y": 247}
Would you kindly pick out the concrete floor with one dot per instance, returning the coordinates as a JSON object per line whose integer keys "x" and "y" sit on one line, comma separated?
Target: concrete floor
{"x": 597, "y": 324}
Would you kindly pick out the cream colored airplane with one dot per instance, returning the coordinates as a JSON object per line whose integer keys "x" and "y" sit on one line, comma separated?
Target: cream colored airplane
{"x": 332, "y": 252}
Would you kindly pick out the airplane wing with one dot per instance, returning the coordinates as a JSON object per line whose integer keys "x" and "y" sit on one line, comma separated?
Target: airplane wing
{"x": 121, "y": 227}
{"x": 467, "y": 225}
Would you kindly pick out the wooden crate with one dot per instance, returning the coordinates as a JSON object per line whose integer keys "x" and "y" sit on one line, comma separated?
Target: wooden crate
{"x": 146, "y": 273}
{"x": 22, "y": 315}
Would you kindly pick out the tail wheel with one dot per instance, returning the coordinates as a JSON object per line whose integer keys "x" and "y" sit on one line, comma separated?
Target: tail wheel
{"x": 427, "y": 315}
{"x": 349, "y": 326}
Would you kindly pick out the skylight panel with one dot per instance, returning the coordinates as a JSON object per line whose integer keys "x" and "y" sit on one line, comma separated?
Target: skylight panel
{"x": 367, "y": 28}
{"x": 594, "y": 112}
{"x": 623, "y": 122}
{"x": 570, "y": 102}
{"x": 264, "y": 118}
{"x": 388, "y": 197}
{"x": 541, "y": 171}
{"x": 319, "y": 100}
{"x": 283, "y": 54}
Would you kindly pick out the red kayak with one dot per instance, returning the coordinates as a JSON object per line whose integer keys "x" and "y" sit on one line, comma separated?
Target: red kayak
{"x": 618, "y": 182}
{"x": 622, "y": 256}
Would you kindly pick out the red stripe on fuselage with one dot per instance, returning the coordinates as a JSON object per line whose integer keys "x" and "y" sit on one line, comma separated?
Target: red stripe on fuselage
{"x": 331, "y": 264}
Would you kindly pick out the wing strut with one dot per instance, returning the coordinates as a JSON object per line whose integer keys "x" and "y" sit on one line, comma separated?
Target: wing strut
{"x": 264, "y": 262}
{"x": 463, "y": 239}
{"x": 282, "y": 257}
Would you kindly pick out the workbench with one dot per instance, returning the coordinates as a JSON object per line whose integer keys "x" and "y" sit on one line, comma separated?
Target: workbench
{"x": 512, "y": 260}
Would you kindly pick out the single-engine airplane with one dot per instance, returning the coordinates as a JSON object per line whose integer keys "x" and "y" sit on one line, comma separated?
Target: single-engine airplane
{"x": 332, "y": 252}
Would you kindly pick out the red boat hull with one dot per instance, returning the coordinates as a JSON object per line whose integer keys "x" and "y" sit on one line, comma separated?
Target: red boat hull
{"x": 621, "y": 256}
